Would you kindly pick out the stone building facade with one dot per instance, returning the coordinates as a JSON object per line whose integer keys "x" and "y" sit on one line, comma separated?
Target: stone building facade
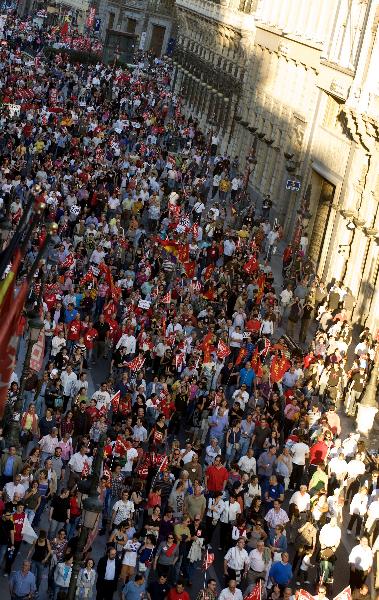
{"x": 135, "y": 24}
{"x": 298, "y": 81}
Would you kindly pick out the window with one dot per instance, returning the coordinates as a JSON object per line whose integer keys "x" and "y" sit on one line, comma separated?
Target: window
{"x": 332, "y": 111}
{"x": 131, "y": 25}
{"x": 111, "y": 20}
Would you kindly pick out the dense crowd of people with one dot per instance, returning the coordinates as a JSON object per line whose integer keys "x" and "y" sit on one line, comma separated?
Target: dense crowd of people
{"x": 223, "y": 380}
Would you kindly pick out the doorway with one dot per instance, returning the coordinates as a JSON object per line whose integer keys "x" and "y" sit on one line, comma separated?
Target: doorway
{"x": 323, "y": 209}
{"x": 157, "y": 37}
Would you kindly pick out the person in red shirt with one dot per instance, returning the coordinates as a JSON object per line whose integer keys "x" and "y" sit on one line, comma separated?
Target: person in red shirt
{"x": 89, "y": 338}
{"x": 73, "y": 332}
{"x": 317, "y": 454}
{"x": 113, "y": 329}
{"x": 92, "y": 411}
{"x": 216, "y": 476}
{"x": 18, "y": 522}
{"x": 178, "y": 593}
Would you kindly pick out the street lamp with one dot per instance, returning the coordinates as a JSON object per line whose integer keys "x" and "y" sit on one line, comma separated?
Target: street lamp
{"x": 92, "y": 508}
{"x": 368, "y": 406}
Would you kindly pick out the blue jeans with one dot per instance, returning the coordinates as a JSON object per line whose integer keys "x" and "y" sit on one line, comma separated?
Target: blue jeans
{"x": 37, "y": 570}
{"x": 230, "y": 453}
{"x": 3, "y": 551}
{"x": 244, "y": 446}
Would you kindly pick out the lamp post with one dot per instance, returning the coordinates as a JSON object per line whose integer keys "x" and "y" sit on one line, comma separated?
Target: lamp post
{"x": 92, "y": 509}
{"x": 368, "y": 407}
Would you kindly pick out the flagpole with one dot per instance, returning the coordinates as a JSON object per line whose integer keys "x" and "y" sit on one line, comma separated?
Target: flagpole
{"x": 205, "y": 570}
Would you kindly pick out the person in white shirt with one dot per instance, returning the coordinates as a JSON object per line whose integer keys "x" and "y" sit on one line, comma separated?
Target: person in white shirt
{"x": 247, "y": 463}
{"x": 258, "y": 562}
{"x": 68, "y": 379}
{"x": 228, "y": 516}
{"x": 231, "y": 592}
{"x": 229, "y": 247}
{"x": 48, "y": 444}
{"x": 360, "y": 561}
{"x": 76, "y": 464}
{"x": 235, "y": 343}
{"x": 236, "y": 561}
{"x": 357, "y": 510}
{"x": 301, "y": 499}
{"x": 131, "y": 456}
{"x": 241, "y": 396}
{"x": 330, "y": 535}
{"x": 127, "y": 341}
{"x": 212, "y": 451}
{"x": 338, "y": 466}
{"x": 102, "y": 397}
{"x": 14, "y": 487}
{"x": 276, "y": 516}
{"x": 299, "y": 453}
{"x": 122, "y": 510}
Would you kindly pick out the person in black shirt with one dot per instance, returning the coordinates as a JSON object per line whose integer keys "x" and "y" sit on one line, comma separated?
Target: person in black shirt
{"x": 6, "y": 534}
{"x": 158, "y": 589}
{"x": 59, "y": 512}
{"x": 102, "y": 329}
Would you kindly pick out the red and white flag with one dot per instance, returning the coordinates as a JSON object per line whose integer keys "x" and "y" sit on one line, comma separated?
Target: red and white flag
{"x": 136, "y": 364}
{"x": 256, "y": 592}
{"x": 115, "y": 401}
{"x": 179, "y": 360}
{"x": 344, "y": 595}
{"x": 223, "y": 350}
{"x": 208, "y": 560}
{"x": 163, "y": 464}
{"x": 86, "y": 469}
{"x": 68, "y": 261}
{"x": 167, "y": 298}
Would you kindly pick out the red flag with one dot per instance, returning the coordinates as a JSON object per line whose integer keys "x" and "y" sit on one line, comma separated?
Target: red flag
{"x": 136, "y": 364}
{"x": 344, "y": 595}
{"x": 209, "y": 294}
{"x": 256, "y": 363}
{"x": 64, "y": 29}
{"x": 241, "y": 355}
{"x": 190, "y": 268}
{"x": 115, "y": 401}
{"x": 195, "y": 231}
{"x": 208, "y": 272}
{"x": 255, "y": 593}
{"x": 120, "y": 447}
{"x": 183, "y": 252}
{"x": 223, "y": 350}
{"x": 251, "y": 266}
{"x": 279, "y": 366}
{"x": 167, "y": 298}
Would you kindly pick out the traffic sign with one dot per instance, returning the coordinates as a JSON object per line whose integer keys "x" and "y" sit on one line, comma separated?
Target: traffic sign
{"x": 293, "y": 184}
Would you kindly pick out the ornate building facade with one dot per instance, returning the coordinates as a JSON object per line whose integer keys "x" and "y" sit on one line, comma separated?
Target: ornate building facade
{"x": 298, "y": 81}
